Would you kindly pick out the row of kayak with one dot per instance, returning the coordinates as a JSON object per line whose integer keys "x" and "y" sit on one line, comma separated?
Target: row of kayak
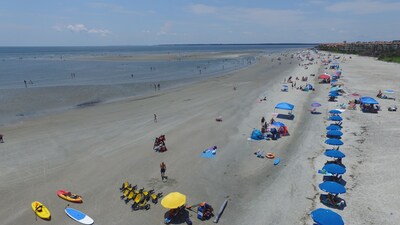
{"x": 43, "y": 212}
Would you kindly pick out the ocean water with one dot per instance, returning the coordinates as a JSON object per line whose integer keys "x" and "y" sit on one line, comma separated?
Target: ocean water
{"x": 50, "y": 85}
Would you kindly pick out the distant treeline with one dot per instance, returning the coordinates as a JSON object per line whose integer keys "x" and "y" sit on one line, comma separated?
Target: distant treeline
{"x": 387, "y": 51}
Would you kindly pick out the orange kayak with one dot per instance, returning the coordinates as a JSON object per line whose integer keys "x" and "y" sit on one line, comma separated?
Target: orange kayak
{"x": 66, "y": 195}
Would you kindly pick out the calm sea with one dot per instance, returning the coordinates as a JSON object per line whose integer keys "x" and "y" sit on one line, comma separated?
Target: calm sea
{"x": 58, "y": 71}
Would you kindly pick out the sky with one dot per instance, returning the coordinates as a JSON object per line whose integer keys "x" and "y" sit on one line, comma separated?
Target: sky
{"x": 152, "y": 22}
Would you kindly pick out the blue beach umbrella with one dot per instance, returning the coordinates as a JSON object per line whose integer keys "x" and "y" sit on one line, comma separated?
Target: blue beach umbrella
{"x": 368, "y": 100}
{"x": 333, "y": 94}
{"x": 335, "y": 111}
{"x": 326, "y": 217}
{"x": 334, "y": 154}
{"x": 333, "y": 127}
{"x": 332, "y": 141}
{"x": 278, "y": 124}
{"x": 284, "y": 106}
{"x": 335, "y": 118}
{"x": 334, "y": 133}
{"x": 332, "y": 187}
{"x": 334, "y": 168}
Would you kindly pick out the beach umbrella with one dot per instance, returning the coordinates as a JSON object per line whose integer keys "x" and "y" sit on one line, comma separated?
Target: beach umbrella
{"x": 334, "y": 133}
{"x": 333, "y": 141}
{"x": 173, "y": 200}
{"x": 333, "y": 127}
{"x": 334, "y": 153}
{"x": 315, "y": 104}
{"x": 335, "y": 111}
{"x": 326, "y": 217}
{"x": 334, "y": 168}
{"x": 278, "y": 124}
{"x": 324, "y": 76}
{"x": 332, "y": 187}
{"x": 285, "y": 106}
{"x": 368, "y": 100}
{"x": 335, "y": 118}
{"x": 335, "y": 94}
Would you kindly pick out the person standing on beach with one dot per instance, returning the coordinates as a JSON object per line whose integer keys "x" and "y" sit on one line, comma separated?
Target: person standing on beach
{"x": 262, "y": 121}
{"x": 158, "y": 86}
{"x": 1, "y": 138}
{"x": 155, "y": 87}
{"x": 25, "y": 84}
{"x": 163, "y": 168}
{"x": 155, "y": 118}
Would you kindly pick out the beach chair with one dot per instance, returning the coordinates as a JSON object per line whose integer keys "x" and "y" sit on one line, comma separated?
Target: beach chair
{"x": 333, "y": 201}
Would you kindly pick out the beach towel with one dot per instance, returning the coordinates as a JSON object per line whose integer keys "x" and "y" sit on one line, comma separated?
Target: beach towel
{"x": 209, "y": 153}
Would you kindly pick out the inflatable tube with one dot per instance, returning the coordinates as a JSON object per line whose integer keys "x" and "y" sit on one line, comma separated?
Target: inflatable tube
{"x": 270, "y": 155}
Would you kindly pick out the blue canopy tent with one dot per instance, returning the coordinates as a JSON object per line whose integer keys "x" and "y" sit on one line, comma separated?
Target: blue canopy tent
{"x": 334, "y": 168}
{"x": 334, "y": 154}
{"x": 333, "y": 94}
{"x": 326, "y": 217}
{"x": 334, "y": 133}
{"x": 335, "y": 118}
{"x": 332, "y": 187}
{"x": 368, "y": 100}
{"x": 333, "y": 127}
{"x": 332, "y": 141}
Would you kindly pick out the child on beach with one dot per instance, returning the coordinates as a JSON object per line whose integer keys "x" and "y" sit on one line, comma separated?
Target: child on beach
{"x": 163, "y": 168}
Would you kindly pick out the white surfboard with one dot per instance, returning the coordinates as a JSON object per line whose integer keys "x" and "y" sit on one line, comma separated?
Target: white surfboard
{"x": 79, "y": 216}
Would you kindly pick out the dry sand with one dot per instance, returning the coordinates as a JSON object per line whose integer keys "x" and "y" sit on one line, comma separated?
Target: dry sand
{"x": 91, "y": 151}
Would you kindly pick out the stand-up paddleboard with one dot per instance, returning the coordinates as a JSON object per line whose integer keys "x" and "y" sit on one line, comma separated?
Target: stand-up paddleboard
{"x": 78, "y": 216}
{"x": 221, "y": 210}
{"x": 277, "y": 161}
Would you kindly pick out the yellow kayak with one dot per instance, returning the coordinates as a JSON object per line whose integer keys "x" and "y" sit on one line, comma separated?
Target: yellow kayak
{"x": 41, "y": 210}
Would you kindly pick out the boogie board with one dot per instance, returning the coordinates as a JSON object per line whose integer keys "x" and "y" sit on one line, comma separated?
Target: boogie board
{"x": 78, "y": 216}
{"x": 221, "y": 210}
{"x": 277, "y": 161}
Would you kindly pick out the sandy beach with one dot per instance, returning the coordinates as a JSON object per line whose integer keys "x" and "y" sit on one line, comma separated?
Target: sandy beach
{"x": 92, "y": 150}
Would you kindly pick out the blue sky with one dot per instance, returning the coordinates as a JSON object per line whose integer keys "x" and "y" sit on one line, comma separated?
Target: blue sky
{"x": 149, "y": 22}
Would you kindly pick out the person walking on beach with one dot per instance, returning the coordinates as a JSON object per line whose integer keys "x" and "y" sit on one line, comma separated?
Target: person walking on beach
{"x": 155, "y": 87}
{"x": 163, "y": 168}
{"x": 25, "y": 84}
{"x": 1, "y": 138}
{"x": 262, "y": 121}
{"x": 158, "y": 86}
{"x": 155, "y": 118}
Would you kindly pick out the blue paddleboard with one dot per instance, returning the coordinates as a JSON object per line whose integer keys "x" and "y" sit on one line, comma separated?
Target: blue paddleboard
{"x": 277, "y": 161}
{"x": 78, "y": 216}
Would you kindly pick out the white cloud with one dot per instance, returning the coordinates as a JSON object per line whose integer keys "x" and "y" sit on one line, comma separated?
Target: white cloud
{"x": 165, "y": 29}
{"x": 202, "y": 9}
{"x": 81, "y": 28}
{"x": 77, "y": 27}
{"x": 364, "y": 7}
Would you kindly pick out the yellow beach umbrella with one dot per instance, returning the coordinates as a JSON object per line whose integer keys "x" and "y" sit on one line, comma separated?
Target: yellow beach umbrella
{"x": 173, "y": 200}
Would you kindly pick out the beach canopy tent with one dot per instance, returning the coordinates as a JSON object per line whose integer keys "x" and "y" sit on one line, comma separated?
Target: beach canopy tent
{"x": 326, "y": 217}
{"x": 284, "y": 106}
{"x": 336, "y": 88}
{"x": 335, "y": 111}
{"x": 334, "y": 168}
{"x": 173, "y": 200}
{"x": 332, "y": 187}
{"x": 368, "y": 100}
{"x": 333, "y": 127}
{"x": 335, "y": 118}
{"x": 324, "y": 76}
{"x": 333, "y": 141}
{"x": 278, "y": 124}
{"x": 257, "y": 135}
{"x": 334, "y": 153}
{"x": 334, "y": 133}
